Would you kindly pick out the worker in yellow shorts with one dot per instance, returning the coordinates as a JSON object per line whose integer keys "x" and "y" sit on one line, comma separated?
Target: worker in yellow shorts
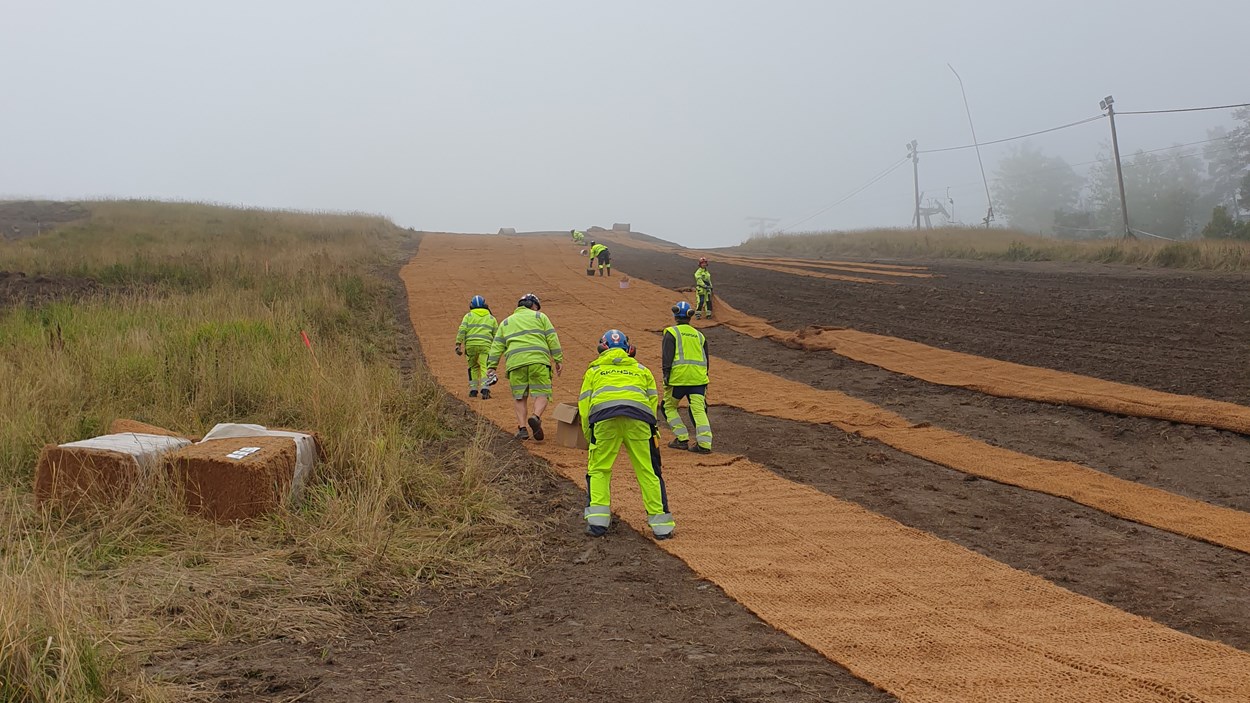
{"x": 619, "y": 405}
{"x": 684, "y": 360}
{"x": 528, "y": 346}
{"x": 600, "y": 253}
{"x": 473, "y": 339}
{"x": 703, "y": 289}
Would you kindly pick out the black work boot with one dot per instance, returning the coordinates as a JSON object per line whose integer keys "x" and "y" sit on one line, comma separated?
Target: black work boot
{"x": 679, "y": 444}
{"x": 521, "y": 433}
{"x": 537, "y": 426}
{"x": 701, "y": 450}
{"x": 485, "y": 394}
{"x": 596, "y": 530}
{"x": 472, "y": 394}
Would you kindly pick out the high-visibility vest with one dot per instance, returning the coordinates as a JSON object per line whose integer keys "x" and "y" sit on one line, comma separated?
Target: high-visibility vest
{"x": 596, "y": 250}
{"x": 703, "y": 278}
{"x": 616, "y": 385}
{"x": 689, "y": 361}
{"x": 525, "y": 337}
{"x": 477, "y": 329}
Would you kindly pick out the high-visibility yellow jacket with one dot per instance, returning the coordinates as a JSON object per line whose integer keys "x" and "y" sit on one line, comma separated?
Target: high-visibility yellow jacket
{"x": 596, "y": 250}
{"x": 616, "y": 385}
{"x": 525, "y": 337}
{"x": 703, "y": 279}
{"x": 477, "y": 329}
{"x": 684, "y": 356}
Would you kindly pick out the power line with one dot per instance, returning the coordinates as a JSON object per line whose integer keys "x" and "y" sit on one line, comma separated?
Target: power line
{"x": 1012, "y": 139}
{"x": 1184, "y": 109}
{"x": 850, "y": 195}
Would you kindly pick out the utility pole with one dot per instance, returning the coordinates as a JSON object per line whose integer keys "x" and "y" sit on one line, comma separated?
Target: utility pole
{"x": 1107, "y": 104}
{"x": 989, "y": 202}
{"x": 915, "y": 170}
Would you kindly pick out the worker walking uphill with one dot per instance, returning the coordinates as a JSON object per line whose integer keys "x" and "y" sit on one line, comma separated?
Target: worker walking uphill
{"x": 619, "y": 406}
{"x": 600, "y": 253}
{"x": 703, "y": 289}
{"x": 528, "y": 346}
{"x": 473, "y": 339}
{"x": 684, "y": 361}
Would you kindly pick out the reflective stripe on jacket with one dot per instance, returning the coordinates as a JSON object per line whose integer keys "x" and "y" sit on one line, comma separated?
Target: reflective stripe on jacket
{"x": 596, "y": 250}
{"x": 477, "y": 328}
{"x": 703, "y": 279}
{"x": 525, "y": 337}
{"x": 686, "y": 363}
{"x": 616, "y": 385}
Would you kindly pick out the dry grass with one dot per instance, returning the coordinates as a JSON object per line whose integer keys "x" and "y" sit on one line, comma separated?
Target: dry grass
{"x": 1004, "y": 245}
{"x": 203, "y": 327}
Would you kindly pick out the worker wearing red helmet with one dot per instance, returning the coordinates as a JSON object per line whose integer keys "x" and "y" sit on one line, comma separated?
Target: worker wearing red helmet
{"x": 703, "y": 288}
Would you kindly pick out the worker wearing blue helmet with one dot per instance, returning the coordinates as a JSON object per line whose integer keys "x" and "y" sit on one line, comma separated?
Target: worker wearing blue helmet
{"x": 473, "y": 339}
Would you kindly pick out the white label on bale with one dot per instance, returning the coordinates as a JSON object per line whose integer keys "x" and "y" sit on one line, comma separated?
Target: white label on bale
{"x": 242, "y": 452}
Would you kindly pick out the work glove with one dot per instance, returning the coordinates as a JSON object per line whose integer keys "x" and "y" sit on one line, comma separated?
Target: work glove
{"x": 458, "y": 352}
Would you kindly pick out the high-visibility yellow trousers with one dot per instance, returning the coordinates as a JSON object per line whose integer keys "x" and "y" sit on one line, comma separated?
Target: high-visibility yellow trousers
{"x": 704, "y": 301}
{"x": 476, "y": 356}
{"x": 698, "y": 413}
{"x": 641, "y": 443}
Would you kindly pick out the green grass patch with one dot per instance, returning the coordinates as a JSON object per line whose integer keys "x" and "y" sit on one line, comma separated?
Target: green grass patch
{"x": 203, "y": 324}
{"x": 1002, "y": 245}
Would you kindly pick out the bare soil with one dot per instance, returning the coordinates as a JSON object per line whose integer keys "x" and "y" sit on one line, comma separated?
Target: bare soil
{"x": 1177, "y": 331}
{"x": 17, "y": 288}
{"x": 608, "y": 619}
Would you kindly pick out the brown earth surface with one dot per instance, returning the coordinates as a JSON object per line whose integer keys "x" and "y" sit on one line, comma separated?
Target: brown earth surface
{"x": 612, "y": 620}
{"x": 1177, "y": 331}
{"x": 17, "y": 288}
{"x": 621, "y": 620}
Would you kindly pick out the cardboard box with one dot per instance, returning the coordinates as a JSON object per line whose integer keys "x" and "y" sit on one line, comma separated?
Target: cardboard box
{"x": 569, "y": 427}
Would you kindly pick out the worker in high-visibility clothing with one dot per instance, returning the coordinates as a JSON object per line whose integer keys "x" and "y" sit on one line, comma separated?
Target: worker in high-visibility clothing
{"x": 600, "y": 253}
{"x": 703, "y": 288}
{"x": 473, "y": 339}
{"x": 619, "y": 405}
{"x": 578, "y": 236}
{"x": 527, "y": 345}
{"x": 684, "y": 360}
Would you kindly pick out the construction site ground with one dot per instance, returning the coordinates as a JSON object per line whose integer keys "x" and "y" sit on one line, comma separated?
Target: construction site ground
{"x": 624, "y": 618}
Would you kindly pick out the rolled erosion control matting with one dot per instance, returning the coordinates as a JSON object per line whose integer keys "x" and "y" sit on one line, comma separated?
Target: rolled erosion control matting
{"x": 235, "y": 478}
{"x": 797, "y": 267}
{"x": 994, "y": 377}
{"x": 645, "y": 308}
{"x": 924, "y": 619}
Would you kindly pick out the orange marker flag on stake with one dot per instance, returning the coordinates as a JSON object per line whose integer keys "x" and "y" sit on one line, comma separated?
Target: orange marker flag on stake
{"x": 308, "y": 343}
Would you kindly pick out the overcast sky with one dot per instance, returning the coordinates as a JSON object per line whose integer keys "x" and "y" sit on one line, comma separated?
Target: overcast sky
{"x": 682, "y": 118}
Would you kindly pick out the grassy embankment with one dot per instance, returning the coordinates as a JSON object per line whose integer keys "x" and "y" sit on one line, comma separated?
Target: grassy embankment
{"x": 1003, "y": 245}
{"x": 201, "y": 324}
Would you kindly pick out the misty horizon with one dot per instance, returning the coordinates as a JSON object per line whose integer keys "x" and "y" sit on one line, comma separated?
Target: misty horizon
{"x": 683, "y": 120}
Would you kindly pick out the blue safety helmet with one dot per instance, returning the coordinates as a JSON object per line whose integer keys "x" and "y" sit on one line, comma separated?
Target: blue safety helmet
{"x": 476, "y": 302}
{"x": 682, "y": 310}
{"x": 615, "y": 339}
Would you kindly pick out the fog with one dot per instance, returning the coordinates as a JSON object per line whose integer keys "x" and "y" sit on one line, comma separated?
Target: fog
{"x": 681, "y": 118}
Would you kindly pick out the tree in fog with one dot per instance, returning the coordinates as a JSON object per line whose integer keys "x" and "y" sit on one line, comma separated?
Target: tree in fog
{"x": 1228, "y": 164}
{"x": 1031, "y": 188}
{"x": 1164, "y": 191}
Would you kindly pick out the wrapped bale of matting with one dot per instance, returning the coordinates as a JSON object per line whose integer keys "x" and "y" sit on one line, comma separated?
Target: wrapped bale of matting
{"x": 308, "y": 448}
{"x": 124, "y": 426}
{"x": 102, "y": 469}
{"x": 235, "y": 478}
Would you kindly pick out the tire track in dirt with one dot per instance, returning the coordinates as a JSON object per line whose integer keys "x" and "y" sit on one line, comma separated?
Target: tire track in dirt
{"x": 925, "y": 619}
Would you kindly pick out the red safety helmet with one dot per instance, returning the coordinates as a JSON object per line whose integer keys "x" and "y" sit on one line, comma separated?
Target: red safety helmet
{"x": 703, "y": 261}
